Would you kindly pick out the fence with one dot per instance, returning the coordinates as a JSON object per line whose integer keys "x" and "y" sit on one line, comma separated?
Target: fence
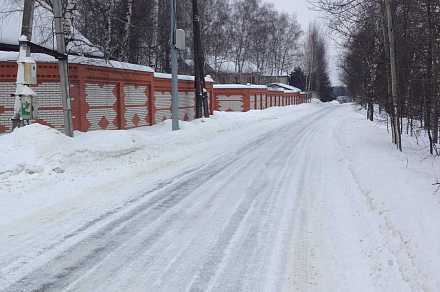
{"x": 115, "y": 95}
{"x": 235, "y": 97}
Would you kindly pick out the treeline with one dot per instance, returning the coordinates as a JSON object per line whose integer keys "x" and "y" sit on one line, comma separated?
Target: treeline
{"x": 316, "y": 64}
{"x": 239, "y": 35}
{"x": 385, "y": 37}
{"x": 313, "y": 75}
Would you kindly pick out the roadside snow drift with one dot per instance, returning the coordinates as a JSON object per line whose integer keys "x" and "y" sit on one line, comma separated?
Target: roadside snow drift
{"x": 38, "y": 162}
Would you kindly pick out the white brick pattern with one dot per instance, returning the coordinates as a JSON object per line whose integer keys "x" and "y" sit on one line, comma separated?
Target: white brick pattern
{"x": 136, "y": 96}
{"x": 230, "y": 103}
{"x": 97, "y": 95}
{"x": 6, "y": 101}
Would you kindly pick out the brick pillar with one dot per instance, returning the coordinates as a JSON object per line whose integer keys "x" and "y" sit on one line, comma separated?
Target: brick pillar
{"x": 246, "y": 100}
{"x": 211, "y": 101}
{"x": 152, "y": 103}
{"x": 84, "y": 124}
{"x": 120, "y": 109}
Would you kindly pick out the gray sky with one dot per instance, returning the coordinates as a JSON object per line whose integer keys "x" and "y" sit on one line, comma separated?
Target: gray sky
{"x": 299, "y": 7}
{"x": 305, "y": 16}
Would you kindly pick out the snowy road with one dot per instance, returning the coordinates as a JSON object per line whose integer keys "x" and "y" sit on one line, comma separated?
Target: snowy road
{"x": 284, "y": 212}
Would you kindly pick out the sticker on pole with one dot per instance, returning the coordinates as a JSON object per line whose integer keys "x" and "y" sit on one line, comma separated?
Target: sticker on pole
{"x": 26, "y": 108}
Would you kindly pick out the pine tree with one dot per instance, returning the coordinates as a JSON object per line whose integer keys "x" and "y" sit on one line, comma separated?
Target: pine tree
{"x": 298, "y": 78}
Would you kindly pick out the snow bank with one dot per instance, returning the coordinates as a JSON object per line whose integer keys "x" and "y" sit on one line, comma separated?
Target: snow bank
{"x": 398, "y": 187}
{"x": 41, "y": 166}
{"x": 41, "y": 149}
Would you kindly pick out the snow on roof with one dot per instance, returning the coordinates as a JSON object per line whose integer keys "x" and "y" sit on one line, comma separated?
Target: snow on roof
{"x": 276, "y": 89}
{"x": 254, "y": 86}
{"x": 13, "y": 56}
{"x": 181, "y": 77}
{"x": 43, "y": 34}
{"x": 285, "y": 86}
{"x": 239, "y": 86}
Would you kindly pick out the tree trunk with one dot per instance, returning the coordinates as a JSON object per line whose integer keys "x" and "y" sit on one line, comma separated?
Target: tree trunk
{"x": 128, "y": 50}
{"x": 370, "y": 111}
{"x": 108, "y": 49}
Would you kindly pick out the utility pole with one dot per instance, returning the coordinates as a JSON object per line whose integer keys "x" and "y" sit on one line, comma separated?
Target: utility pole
{"x": 393, "y": 65}
{"x": 174, "y": 89}
{"x": 27, "y": 21}
{"x": 63, "y": 67}
{"x": 202, "y": 107}
{"x": 23, "y": 93}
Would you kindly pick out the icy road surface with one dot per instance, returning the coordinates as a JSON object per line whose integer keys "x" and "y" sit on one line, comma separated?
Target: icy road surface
{"x": 286, "y": 210}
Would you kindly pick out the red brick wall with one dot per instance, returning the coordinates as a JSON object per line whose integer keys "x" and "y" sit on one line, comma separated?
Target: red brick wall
{"x": 162, "y": 99}
{"x": 110, "y": 98}
{"x": 102, "y": 98}
{"x": 245, "y": 99}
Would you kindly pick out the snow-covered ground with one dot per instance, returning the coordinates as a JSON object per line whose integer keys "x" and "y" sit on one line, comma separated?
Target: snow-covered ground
{"x": 301, "y": 198}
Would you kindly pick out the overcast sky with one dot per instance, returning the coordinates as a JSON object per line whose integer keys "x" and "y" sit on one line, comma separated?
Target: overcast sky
{"x": 305, "y": 16}
{"x": 299, "y": 7}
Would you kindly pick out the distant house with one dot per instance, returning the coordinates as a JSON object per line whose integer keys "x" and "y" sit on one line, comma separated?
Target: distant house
{"x": 284, "y": 86}
{"x": 244, "y": 78}
{"x": 227, "y": 72}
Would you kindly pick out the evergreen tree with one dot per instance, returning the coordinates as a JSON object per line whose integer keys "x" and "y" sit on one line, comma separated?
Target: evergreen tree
{"x": 325, "y": 89}
{"x": 317, "y": 65}
{"x": 298, "y": 78}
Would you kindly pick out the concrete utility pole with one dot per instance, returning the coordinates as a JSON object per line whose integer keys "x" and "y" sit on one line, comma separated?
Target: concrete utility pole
{"x": 63, "y": 67}
{"x": 22, "y": 84}
{"x": 393, "y": 66}
{"x": 202, "y": 107}
{"x": 174, "y": 89}
{"x": 27, "y": 21}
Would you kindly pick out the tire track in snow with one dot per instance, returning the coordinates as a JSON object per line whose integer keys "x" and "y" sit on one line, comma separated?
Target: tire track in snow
{"x": 172, "y": 220}
{"x": 86, "y": 254}
{"x": 303, "y": 274}
{"x": 235, "y": 260}
{"x": 15, "y": 265}
{"x": 94, "y": 248}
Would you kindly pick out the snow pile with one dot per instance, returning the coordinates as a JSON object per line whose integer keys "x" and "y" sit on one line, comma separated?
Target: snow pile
{"x": 38, "y": 148}
{"x": 40, "y": 160}
{"x": 41, "y": 149}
